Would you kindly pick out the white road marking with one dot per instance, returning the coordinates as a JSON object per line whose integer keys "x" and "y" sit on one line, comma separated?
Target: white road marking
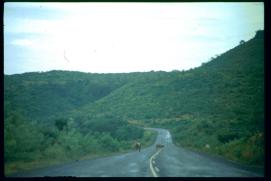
{"x": 133, "y": 170}
{"x": 133, "y": 164}
{"x": 157, "y": 169}
{"x": 153, "y": 161}
{"x": 133, "y": 167}
{"x": 151, "y": 166}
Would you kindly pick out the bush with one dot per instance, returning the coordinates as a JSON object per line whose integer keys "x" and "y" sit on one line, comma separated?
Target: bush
{"x": 22, "y": 139}
{"x": 227, "y": 137}
{"x": 108, "y": 143}
{"x": 128, "y": 133}
{"x": 61, "y": 123}
{"x": 56, "y": 152}
{"x": 246, "y": 150}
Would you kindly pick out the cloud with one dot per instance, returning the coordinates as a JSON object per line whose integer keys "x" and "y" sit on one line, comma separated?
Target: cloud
{"x": 22, "y": 42}
{"x": 123, "y": 37}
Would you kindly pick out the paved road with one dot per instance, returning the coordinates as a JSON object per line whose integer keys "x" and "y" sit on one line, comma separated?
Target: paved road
{"x": 170, "y": 161}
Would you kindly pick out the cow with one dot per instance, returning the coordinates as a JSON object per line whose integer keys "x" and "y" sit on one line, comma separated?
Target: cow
{"x": 159, "y": 146}
{"x": 137, "y": 146}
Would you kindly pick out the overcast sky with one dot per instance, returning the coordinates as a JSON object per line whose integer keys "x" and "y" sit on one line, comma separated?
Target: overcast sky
{"x": 123, "y": 37}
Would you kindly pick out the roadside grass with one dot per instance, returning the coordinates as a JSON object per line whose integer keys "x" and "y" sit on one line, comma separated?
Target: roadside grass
{"x": 10, "y": 168}
{"x": 205, "y": 134}
{"x": 247, "y": 151}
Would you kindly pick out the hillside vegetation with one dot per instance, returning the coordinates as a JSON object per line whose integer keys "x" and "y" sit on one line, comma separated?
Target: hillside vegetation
{"x": 217, "y": 108}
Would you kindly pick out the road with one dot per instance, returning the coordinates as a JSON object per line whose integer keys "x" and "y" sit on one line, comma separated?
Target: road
{"x": 170, "y": 161}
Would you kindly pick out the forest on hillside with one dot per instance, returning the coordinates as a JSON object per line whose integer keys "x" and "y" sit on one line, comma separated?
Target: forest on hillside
{"x": 70, "y": 115}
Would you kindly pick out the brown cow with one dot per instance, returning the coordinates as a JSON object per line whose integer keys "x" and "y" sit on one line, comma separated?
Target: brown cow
{"x": 159, "y": 146}
{"x": 137, "y": 146}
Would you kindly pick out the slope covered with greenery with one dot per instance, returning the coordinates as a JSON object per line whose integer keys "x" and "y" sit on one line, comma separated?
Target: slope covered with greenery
{"x": 45, "y": 95}
{"x": 217, "y": 108}
{"x": 225, "y": 85}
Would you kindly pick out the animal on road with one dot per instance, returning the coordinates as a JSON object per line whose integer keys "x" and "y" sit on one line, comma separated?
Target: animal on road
{"x": 159, "y": 146}
{"x": 137, "y": 146}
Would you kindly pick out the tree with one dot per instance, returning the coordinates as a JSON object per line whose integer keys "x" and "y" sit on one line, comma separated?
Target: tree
{"x": 108, "y": 143}
{"x": 241, "y": 42}
{"x": 60, "y": 124}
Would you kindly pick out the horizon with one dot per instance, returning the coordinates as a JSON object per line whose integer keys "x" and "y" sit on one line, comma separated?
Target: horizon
{"x": 124, "y": 37}
{"x": 59, "y": 70}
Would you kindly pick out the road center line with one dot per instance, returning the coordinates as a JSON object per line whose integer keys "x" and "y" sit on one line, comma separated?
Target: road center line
{"x": 151, "y": 160}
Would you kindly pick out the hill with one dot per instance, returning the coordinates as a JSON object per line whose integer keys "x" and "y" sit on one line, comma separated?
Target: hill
{"x": 219, "y": 86}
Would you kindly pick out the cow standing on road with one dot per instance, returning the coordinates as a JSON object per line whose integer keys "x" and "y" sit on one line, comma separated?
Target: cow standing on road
{"x": 138, "y": 146}
{"x": 159, "y": 146}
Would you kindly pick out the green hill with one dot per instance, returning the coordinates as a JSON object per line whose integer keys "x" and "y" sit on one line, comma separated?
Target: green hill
{"x": 217, "y": 107}
{"x": 45, "y": 95}
{"x": 229, "y": 84}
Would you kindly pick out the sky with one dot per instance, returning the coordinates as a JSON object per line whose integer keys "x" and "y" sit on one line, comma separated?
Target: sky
{"x": 123, "y": 37}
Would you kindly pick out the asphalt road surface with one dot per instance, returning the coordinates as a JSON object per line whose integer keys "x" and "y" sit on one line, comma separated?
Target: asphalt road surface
{"x": 169, "y": 161}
